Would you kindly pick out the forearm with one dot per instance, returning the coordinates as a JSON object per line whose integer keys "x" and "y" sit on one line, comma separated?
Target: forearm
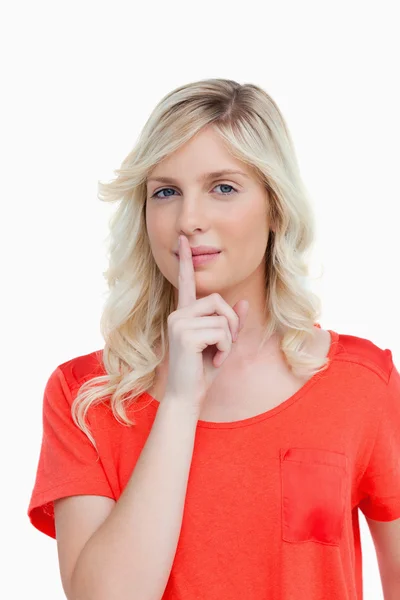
{"x": 391, "y": 587}
{"x": 131, "y": 555}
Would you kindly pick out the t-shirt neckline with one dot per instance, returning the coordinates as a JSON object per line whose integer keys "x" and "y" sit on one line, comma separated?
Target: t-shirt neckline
{"x": 272, "y": 411}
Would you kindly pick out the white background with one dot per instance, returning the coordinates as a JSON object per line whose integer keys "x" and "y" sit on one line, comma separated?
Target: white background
{"x": 80, "y": 79}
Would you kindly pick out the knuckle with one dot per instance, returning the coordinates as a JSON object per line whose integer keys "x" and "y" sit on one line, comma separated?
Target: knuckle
{"x": 171, "y": 318}
{"x": 224, "y": 324}
{"x": 222, "y": 321}
{"x": 174, "y": 324}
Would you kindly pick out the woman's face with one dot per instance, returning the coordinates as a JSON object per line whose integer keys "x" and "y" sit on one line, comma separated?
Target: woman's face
{"x": 229, "y": 212}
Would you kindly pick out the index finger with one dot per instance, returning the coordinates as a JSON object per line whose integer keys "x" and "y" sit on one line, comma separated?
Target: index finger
{"x": 186, "y": 279}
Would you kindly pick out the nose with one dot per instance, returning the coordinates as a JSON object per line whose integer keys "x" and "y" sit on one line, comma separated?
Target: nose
{"x": 191, "y": 214}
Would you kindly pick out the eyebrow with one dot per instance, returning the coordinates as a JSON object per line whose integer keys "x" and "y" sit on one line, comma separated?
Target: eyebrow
{"x": 204, "y": 177}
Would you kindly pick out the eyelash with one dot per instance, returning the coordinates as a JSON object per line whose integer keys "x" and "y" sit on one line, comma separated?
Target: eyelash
{"x": 165, "y": 197}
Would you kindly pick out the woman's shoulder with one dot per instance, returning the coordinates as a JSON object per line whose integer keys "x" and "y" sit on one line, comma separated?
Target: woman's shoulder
{"x": 363, "y": 352}
{"x": 80, "y": 368}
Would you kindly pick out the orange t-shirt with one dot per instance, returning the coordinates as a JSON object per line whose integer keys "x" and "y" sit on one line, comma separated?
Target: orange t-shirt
{"x": 272, "y": 502}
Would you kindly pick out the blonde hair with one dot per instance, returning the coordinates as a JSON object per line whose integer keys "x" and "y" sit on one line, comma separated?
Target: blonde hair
{"x": 140, "y": 299}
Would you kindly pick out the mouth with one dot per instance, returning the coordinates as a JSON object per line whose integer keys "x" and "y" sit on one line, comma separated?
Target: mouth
{"x": 202, "y": 259}
{"x": 201, "y": 254}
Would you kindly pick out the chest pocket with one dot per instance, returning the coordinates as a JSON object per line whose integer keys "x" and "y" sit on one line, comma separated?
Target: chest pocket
{"x": 314, "y": 492}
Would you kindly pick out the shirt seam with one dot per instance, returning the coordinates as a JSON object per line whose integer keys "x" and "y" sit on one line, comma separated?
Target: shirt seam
{"x": 377, "y": 370}
{"x": 64, "y": 483}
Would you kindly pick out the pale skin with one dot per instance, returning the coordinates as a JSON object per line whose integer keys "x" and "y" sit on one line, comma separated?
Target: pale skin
{"x": 206, "y": 212}
{"x": 230, "y": 212}
{"x": 236, "y": 222}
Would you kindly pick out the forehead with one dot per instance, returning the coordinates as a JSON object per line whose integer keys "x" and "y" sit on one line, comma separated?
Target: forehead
{"x": 203, "y": 157}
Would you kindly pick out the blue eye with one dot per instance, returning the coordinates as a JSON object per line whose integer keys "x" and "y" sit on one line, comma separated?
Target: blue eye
{"x": 226, "y": 185}
{"x": 155, "y": 195}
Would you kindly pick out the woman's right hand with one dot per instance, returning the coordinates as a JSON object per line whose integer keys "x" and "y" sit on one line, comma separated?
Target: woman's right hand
{"x": 196, "y": 326}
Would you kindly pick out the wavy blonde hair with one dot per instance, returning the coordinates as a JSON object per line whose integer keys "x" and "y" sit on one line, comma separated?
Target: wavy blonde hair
{"x": 140, "y": 299}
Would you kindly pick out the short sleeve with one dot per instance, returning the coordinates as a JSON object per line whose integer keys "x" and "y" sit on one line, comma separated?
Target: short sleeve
{"x": 380, "y": 484}
{"x": 68, "y": 464}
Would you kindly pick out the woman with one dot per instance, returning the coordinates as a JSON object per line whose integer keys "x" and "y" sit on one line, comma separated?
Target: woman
{"x": 221, "y": 443}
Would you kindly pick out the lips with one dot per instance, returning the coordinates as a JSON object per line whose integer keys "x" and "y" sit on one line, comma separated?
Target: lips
{"x": 202, "y": 251}
{"x": 199, "y": 259}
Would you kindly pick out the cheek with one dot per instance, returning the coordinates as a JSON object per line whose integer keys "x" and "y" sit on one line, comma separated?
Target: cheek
{"x": 156, "y": 228}
{"x": 160, "y": 243}
{"x": 237, "y": 222}
{"x": 246, "y": 226}
{"x": 248, "y": 235}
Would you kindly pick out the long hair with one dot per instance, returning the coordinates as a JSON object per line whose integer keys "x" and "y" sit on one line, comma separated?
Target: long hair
{"x": 140, "y": 299}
